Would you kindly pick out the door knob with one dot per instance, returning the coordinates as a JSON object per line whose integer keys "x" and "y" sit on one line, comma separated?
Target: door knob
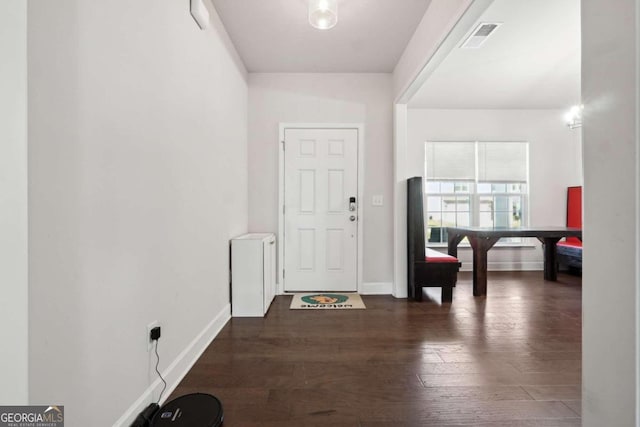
{"x": 352, "y": 218}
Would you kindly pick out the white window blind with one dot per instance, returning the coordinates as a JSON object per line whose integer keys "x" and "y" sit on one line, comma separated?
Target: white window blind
{"x": 450, "y": 161}
{"x": 475, "y": 184}
{"x": 502, "y": 162}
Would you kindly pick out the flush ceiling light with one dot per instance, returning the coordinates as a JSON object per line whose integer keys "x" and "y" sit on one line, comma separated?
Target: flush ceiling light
{"x": 323, "y": 14}
{"x": 573, "y": 118}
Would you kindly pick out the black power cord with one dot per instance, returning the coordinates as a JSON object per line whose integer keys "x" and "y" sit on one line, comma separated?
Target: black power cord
{"x": 164, "y": 387}
{"x": 144, "y": 418}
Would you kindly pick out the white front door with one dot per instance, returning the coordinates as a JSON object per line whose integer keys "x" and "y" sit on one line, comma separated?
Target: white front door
{"x": 320, "y": 230}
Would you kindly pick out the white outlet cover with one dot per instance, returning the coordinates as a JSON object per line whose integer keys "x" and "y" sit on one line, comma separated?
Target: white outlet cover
{"x": 377, "y": 200}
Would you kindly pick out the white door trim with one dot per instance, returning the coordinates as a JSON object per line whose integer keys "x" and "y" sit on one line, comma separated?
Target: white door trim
{"x": 359, "y": 127}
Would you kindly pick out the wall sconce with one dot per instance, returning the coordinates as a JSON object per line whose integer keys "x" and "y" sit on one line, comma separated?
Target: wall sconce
{"x": 200, "y": 13}
{"x": 573, "y": 118}
{"x": 323, "y": 14}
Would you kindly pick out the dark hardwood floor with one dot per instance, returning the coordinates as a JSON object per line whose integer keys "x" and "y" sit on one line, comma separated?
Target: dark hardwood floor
{"x": 510, "y": 359}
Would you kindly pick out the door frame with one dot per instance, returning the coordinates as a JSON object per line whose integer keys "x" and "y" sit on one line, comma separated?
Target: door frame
{"x": 359, "y": 127}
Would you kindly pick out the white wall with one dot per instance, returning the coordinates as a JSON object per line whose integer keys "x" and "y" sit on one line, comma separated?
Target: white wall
{"x": 610, "y": 134}
{"x": 325, "y": 98}
{"x": 555, "y": 162}
{"x": 13, "y": 204}
{"x": 138, "y": 178}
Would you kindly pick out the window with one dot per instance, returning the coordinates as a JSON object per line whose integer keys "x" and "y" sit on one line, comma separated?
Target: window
{"x": 475, "y": 184}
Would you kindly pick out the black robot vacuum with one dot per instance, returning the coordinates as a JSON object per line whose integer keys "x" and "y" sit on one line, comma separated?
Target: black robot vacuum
{"x": 190, "y": 410}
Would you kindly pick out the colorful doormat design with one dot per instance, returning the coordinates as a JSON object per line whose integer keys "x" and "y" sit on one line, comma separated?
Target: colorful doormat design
{"x": 326, "y": 300}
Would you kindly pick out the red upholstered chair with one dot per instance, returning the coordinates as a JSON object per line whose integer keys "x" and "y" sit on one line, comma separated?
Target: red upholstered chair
{"x": 570, "y": 250}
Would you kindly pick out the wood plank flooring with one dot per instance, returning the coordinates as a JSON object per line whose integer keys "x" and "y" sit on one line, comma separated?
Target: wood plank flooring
{"x": 510, "y": 359}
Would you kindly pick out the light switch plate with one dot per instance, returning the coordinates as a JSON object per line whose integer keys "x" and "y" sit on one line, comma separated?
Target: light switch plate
{"x": 377, "y": 200}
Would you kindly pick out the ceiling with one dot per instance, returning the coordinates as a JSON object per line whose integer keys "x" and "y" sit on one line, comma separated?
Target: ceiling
{"x": 275, "y": 35}
{"x": 531, "y": 61}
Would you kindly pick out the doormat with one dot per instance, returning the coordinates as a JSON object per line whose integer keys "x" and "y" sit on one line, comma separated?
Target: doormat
{"x": 329, "y": 300}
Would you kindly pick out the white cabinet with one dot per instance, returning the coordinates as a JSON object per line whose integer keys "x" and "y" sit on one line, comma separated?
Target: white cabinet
{"x": 253, "y": 274}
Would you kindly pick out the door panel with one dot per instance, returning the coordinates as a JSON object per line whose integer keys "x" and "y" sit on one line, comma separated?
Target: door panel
{"x": 306, "y": 249}
{"x": 307, "y": 190}
{"x": 335, "y": 253}
{"x": 320, "y": 235}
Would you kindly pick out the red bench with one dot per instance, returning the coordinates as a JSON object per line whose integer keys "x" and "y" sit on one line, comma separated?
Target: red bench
{"x": 426, "y": 267}
{"x": 569, "y": 252}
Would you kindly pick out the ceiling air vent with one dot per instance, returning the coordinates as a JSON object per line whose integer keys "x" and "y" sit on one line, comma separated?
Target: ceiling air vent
{"x": 480, "y": 35}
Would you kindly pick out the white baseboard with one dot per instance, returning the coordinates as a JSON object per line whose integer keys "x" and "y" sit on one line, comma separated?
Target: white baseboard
{"x": 377, "y": 288}
{"x": 507, "y": 266}
{"x": 179, "y": 368}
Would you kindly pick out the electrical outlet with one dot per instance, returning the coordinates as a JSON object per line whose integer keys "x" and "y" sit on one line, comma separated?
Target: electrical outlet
{"x": 150, "y": 326}
{"x": 155, "y": 333}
